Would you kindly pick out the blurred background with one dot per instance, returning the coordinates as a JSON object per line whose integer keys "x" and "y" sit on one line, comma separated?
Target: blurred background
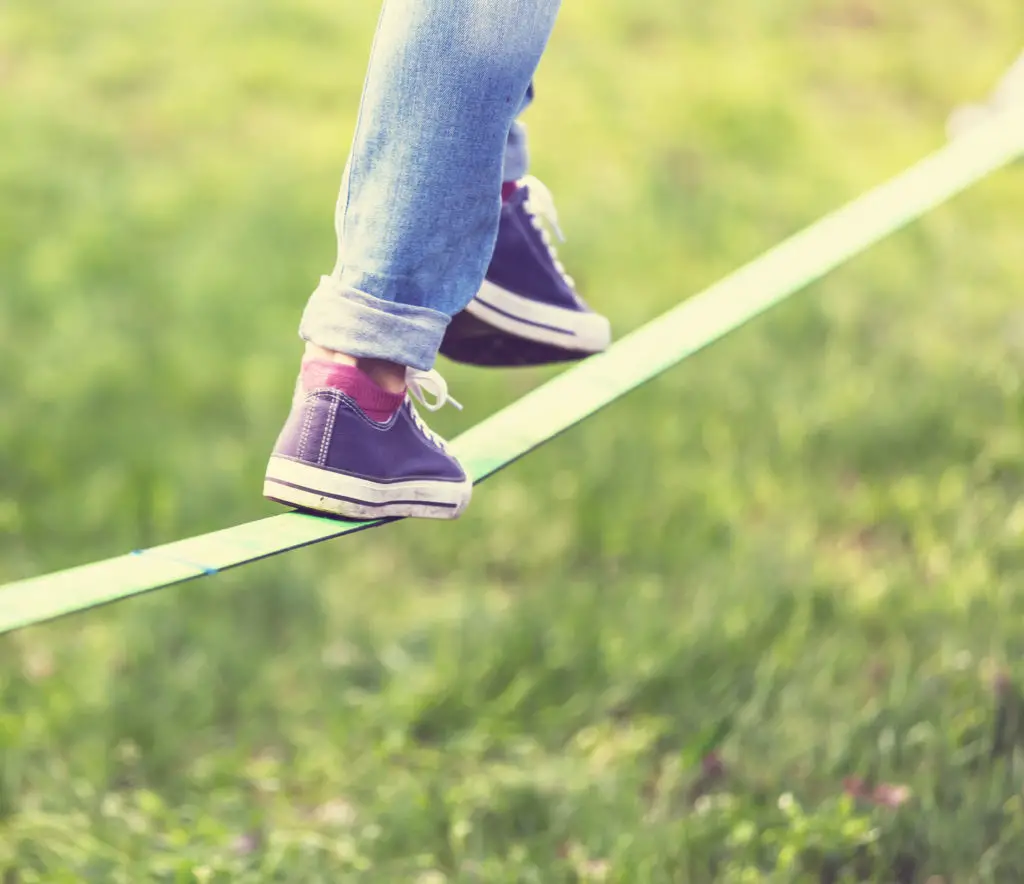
{"x": 759, "y": 620}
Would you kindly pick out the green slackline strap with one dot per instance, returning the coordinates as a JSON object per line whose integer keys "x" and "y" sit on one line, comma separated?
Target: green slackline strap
{"x": 568, "y": 398}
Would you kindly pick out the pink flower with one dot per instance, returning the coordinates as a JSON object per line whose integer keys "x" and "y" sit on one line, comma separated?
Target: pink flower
{"x": 882, "y": 795}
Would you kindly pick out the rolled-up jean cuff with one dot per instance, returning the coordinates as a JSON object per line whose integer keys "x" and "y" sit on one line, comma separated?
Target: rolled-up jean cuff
{"x": 349, "y": 321}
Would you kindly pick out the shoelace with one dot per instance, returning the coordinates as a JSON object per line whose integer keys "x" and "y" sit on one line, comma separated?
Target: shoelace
{"x": 420, "y": 383}
{"x": 540, "y": 204}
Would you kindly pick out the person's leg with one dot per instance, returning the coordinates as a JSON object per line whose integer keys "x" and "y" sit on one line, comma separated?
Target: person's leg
{"x": 416, "y": 220}
{"x": 419, "y": 212}
{"x": 517, "y": 151}
{"x": 527, "y": 311}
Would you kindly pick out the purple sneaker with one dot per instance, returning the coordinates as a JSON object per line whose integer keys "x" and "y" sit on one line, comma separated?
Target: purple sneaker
{"x": 528, "y": 311}
{"x": 333, "y": 459}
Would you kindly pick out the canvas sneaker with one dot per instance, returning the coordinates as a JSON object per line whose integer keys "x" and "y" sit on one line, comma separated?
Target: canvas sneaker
{"x": 528, "y": 311}
{"x": 333, "y": 458}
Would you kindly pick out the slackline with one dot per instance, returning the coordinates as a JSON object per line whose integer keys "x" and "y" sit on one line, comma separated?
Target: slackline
{"x": 568, "y": 398}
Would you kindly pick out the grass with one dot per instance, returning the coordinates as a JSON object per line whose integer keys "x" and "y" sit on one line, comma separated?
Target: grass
{"x": 759, "y": 621}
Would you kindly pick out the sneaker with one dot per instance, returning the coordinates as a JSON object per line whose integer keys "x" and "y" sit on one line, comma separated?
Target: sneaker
{"x": 334, "y": 458}
{"x": 528, "y": 311}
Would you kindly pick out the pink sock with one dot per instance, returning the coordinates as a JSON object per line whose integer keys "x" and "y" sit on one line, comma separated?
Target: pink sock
{"x": 508, "y": 189}
{"x": 378, "y": 404}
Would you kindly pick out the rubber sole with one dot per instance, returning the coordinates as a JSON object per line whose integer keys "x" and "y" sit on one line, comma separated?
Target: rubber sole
{"x": 576, "y": 330}
{"x": 472, "y": 341}
{"x": 349, "y": 497}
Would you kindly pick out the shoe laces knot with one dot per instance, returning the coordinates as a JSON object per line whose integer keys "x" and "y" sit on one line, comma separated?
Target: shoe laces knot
{"x": 420, "y": 384}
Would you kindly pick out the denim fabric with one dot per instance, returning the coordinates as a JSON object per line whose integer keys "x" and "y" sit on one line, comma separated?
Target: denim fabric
{"x": 517, "y": 154}
{"x": 418, "y": 210}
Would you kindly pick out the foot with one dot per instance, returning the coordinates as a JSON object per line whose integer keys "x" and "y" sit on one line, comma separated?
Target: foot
{"x": 528, "y": 311}
{"x": 351, "y": 449}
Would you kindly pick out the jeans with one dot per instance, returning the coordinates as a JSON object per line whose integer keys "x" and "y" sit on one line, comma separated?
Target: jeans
{"x": 517, "y": 153}
{"x": 417, "y": 214}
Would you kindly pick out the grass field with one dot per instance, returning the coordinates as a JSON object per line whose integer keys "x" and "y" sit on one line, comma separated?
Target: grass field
{"x": 761, "y": 620}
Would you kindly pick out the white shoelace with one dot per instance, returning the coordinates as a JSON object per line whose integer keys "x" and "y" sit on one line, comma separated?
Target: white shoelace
{"x": 420, "y": 383}
{"x": 540, "y": 206}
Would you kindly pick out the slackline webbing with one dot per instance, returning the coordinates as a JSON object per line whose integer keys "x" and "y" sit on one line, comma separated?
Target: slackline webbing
{"x": 568, "y": 398}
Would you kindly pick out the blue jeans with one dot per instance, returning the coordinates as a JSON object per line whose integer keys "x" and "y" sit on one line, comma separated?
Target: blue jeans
{"x": 417, "y": 215}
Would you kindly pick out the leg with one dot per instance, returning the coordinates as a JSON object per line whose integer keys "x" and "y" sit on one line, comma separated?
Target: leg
{"x": 517, "y": 153}
{"x": 418, "y": 212}
{"x": 527, "y": 311}
{"x": 416, "y": 220}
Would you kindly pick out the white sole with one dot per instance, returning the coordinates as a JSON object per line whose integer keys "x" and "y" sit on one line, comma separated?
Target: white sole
{"x": 310, "y": 487}
{"x": 569, "y": 329}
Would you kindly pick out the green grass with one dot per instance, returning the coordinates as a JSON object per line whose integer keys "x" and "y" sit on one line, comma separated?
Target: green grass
{"x": 794, "y": 560}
